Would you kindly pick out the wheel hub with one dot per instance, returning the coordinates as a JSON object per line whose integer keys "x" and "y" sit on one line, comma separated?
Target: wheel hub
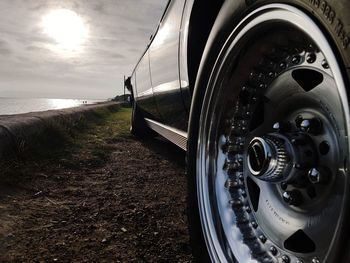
{"x": 278, "y": 157}
{"x": 267, "y": 158}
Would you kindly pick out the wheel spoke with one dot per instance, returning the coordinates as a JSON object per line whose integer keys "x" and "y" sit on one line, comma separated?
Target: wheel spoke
{"x": 332, "y": 97}
{"x": 321, "y": 236}
{"x": 284, "y": 87}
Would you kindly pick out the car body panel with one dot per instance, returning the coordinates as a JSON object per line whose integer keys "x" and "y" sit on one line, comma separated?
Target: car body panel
{"x": 183, "y": 49}
{"x": 144, "y": 94}
{"x": 157, "y": 86}
{"x": 160, "y": 79}
{"x": 164, "y": 67}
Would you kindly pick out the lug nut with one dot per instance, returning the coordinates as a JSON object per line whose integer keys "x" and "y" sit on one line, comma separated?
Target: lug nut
{"x": 286, "y": 197}
{"x": 232, "y": 166}
{"x": 299, "y": 166}
{"x": 230, "y": 184}
{"x": 236, "y": 204}
{"x": 311, "y": 58}
{"x": 293, "y": 197}
{"x": 325, "y": 64}
{"x": 318, "y": 176}
{"x": 314, "y": 176}
{"x": 283, "y": 65}
{"x": 254, "y": 224}
{"x": 248, "y": 209}
{"x": 281, "y": 126}
{"x": 262, "y": 238}
{"x": 262, "y": 86}
{"x": 305, "y": 125}
{"x": 285, "y": 259}
{"x": 273, "y": 250}
{"x": 312, "y": 126}
{"x": 296, "y": 59}
{"x": 298, "y": 121}
{"x": 276, "y": 126}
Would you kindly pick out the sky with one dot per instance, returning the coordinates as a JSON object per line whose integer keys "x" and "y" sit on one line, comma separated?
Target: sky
{"x": 72, "y": 48}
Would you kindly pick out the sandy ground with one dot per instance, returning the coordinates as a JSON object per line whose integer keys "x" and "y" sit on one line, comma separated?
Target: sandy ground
{"x": 113, "y": 199}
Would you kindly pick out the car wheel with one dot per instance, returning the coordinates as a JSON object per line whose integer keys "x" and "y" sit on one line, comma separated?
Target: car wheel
{"x": 268, "y": 142}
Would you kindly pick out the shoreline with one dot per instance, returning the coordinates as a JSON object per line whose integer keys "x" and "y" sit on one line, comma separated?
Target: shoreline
{"x": 15, "y": 106}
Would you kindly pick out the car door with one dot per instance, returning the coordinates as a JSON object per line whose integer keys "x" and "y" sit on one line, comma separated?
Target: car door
{"x": 164, "y": 66}
{"x": 144, "y": 96}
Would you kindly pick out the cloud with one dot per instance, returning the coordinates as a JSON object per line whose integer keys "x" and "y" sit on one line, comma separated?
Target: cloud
{"x": 31, "y": 66}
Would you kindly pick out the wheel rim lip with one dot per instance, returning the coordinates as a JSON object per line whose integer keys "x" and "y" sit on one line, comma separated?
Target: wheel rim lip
{"x": 248, "y": 23}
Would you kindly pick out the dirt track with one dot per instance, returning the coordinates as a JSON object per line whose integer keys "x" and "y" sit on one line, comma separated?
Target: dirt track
{"x": 112, "y": 199}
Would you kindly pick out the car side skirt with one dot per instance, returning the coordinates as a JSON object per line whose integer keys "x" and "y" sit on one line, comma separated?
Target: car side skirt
{"x": 176, "y": 136}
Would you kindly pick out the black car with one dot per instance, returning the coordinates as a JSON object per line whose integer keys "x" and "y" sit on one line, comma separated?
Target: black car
{"x": 256, "y": 92}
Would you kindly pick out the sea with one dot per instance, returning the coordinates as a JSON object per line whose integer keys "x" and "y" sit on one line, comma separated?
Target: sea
{"x": 10, "y": 106}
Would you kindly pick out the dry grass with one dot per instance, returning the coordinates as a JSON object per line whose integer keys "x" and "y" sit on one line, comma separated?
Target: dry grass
{"x": 66, "y": 141}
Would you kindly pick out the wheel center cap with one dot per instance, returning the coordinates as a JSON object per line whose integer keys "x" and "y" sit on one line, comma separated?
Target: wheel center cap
{"x": 259, "y": 156}
{"x": 267, "y": 158}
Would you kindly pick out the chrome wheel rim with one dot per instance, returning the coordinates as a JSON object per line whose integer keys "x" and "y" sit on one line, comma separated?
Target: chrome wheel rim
{"x": 286, "y": 105}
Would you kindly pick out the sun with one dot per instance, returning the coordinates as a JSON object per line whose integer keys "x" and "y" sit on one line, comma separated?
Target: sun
{"x": 67, "y": 28}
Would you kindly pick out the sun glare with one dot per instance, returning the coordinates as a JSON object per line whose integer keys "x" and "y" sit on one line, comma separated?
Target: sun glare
{"x": 63, "y": 103}
{"x": 67, "y": 28}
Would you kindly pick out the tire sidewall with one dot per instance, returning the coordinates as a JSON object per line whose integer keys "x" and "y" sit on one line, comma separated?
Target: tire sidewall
{"x": 337, "y": 36}
{"x": 332, "y": 16}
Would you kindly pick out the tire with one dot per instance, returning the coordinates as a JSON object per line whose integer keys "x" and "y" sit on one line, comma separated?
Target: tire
{"x": 139, "y": 126}
{"x": 223, "y": 180}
